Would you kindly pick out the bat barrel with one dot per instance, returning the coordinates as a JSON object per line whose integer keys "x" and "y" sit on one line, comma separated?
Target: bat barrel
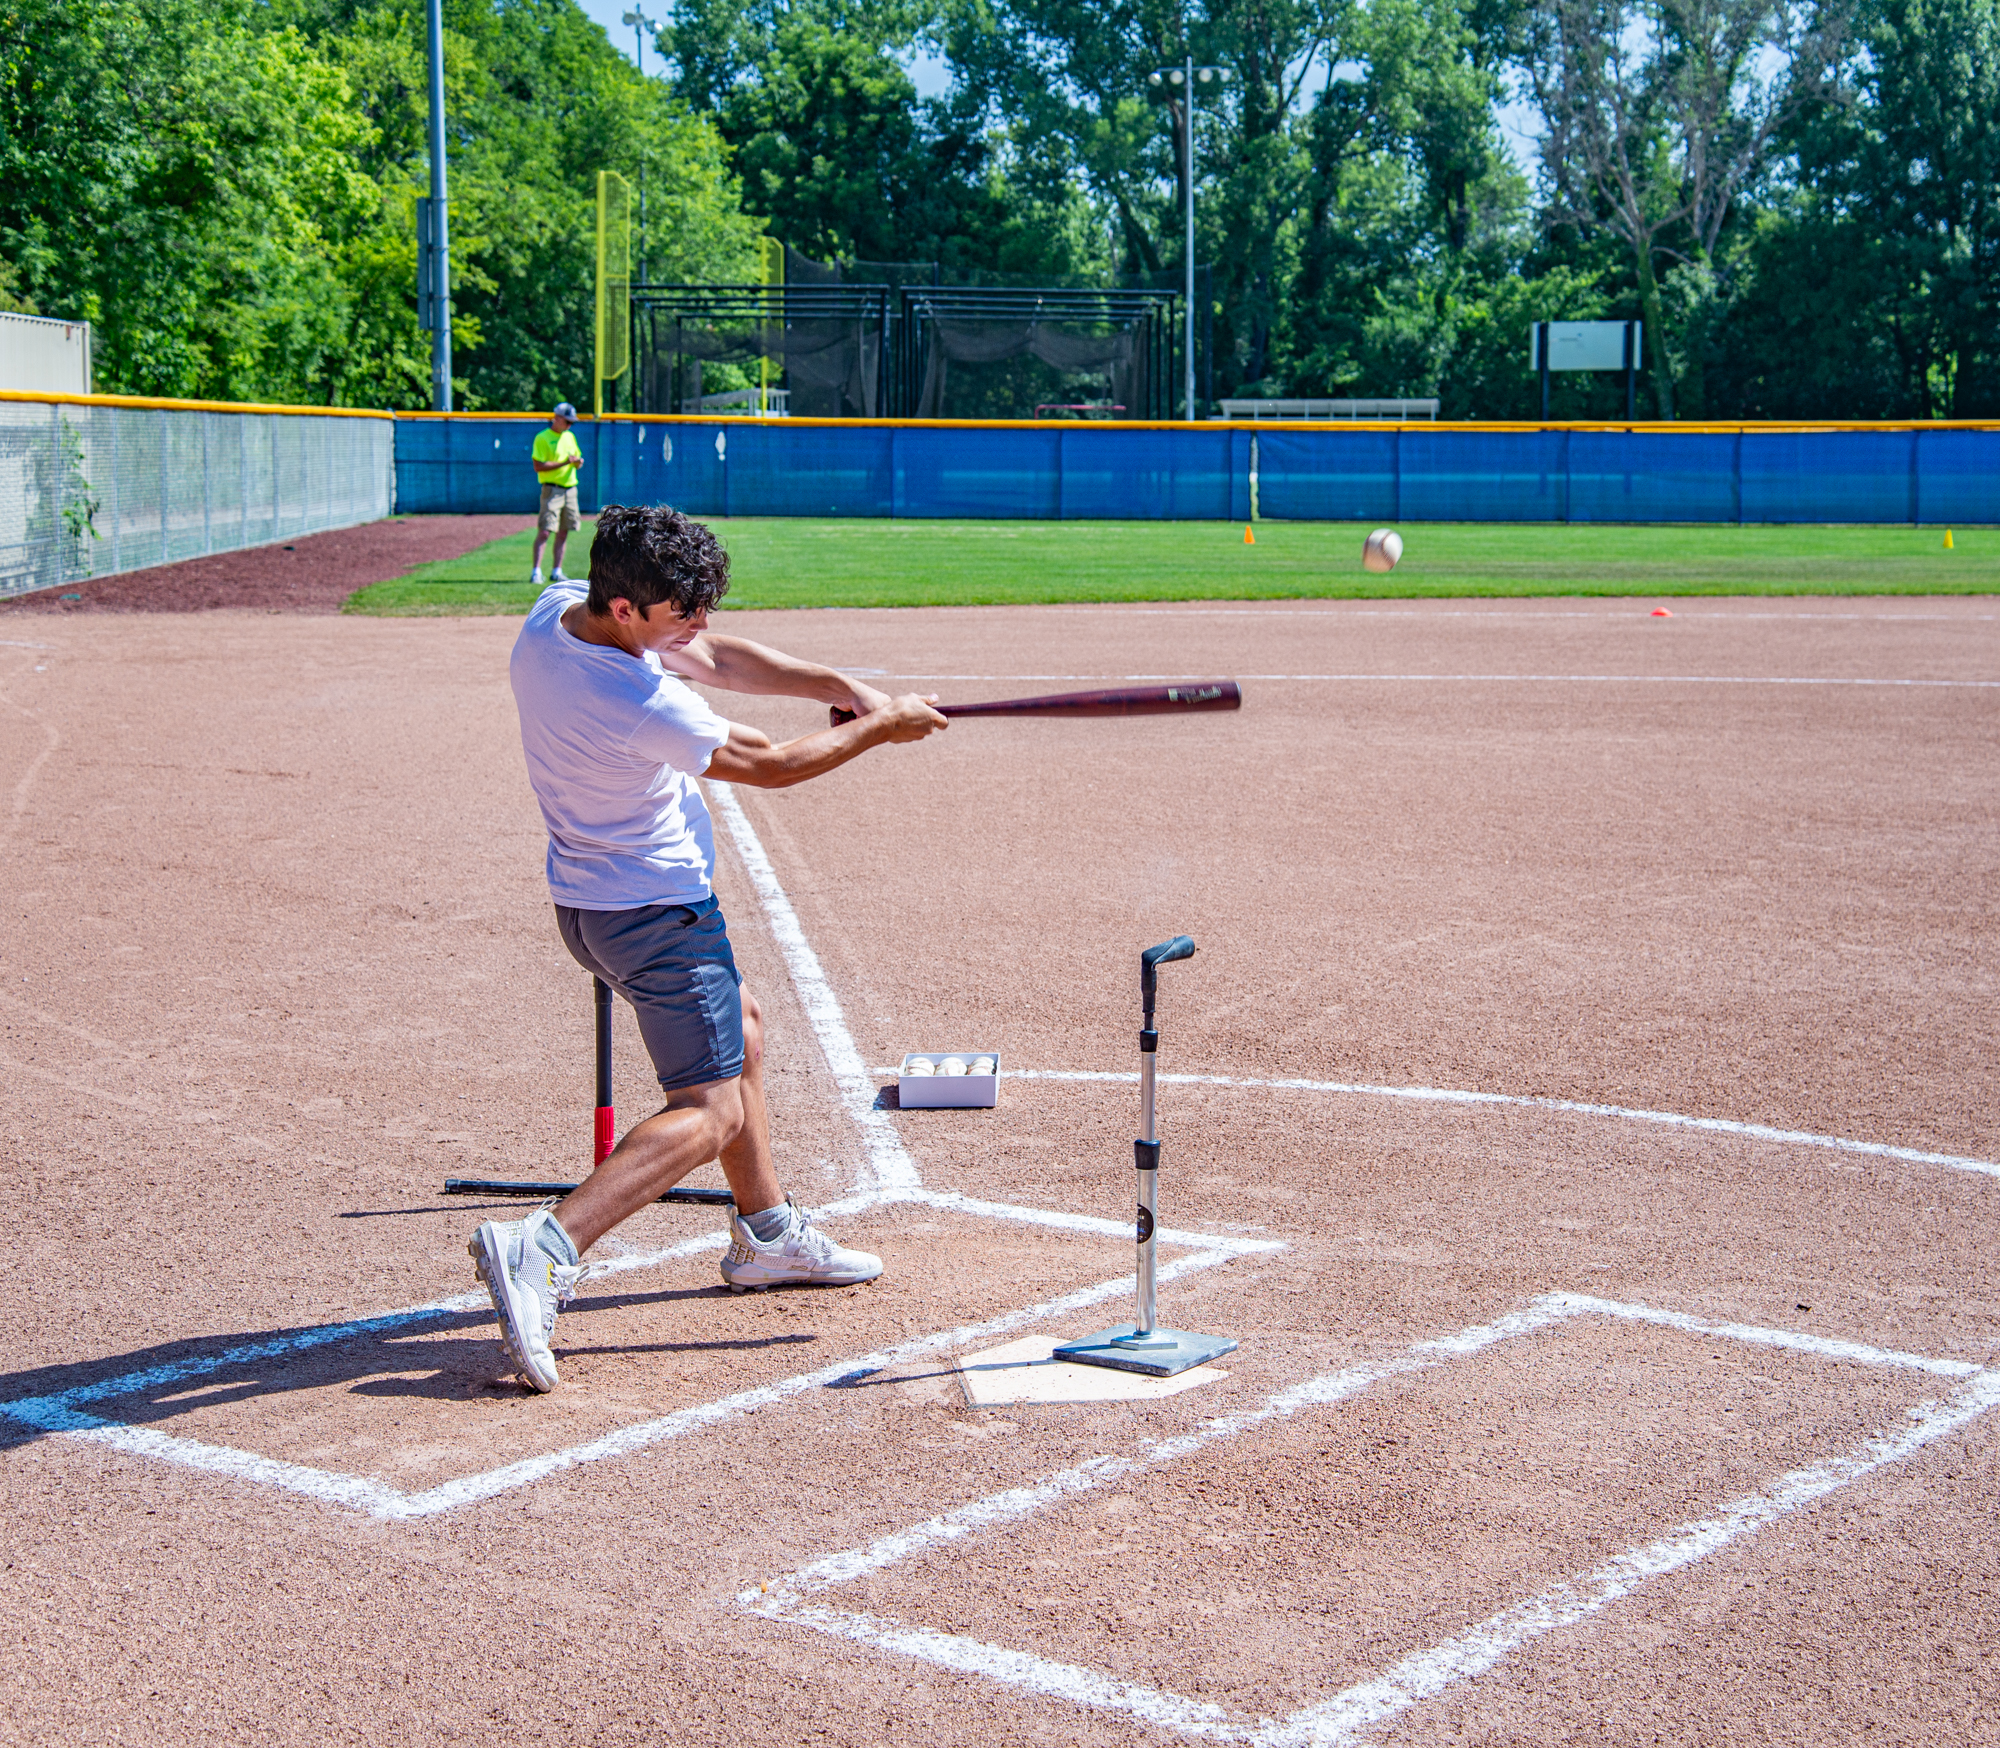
{"x": 1172, "y": 699}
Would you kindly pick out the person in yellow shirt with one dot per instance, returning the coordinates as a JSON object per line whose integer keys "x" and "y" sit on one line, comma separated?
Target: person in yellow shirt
{"x": 557, "y": 459}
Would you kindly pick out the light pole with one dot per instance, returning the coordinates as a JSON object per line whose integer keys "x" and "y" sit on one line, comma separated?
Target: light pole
{"x": 640, "y": 24}
{"x": 437, "y": 244}
{"x": 1178, "y": 86}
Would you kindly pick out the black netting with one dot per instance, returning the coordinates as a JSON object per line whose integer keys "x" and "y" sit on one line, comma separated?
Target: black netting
{"x": 1107, "y": 370}
{"x": 832, "y": 367}
{"x": 895, "y": 343}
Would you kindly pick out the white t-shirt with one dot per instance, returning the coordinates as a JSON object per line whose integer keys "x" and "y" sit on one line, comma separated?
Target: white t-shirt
{"x": 614, "y": 744}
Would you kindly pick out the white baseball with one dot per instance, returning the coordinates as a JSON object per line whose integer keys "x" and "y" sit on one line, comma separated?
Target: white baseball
{"x": 1383, "y": 548}
{"x": 952, "y": 1065}
{"x": 980, "y": 1065}
{"x": 920, "y": 1065}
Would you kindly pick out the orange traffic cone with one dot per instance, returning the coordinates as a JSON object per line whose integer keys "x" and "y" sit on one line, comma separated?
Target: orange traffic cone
{"x": 1249, "y": 539}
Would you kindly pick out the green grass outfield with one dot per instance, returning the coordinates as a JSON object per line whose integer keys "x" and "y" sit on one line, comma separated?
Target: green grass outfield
{"x": 809, "y": 562}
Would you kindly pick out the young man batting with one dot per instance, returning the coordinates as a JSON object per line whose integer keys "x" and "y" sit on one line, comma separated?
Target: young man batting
{"x": 614, "y": 739}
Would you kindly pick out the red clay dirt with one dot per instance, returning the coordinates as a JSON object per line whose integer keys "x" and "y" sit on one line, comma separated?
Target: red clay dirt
{"x": 278, "y": 958}
{"x": 313, "y": 574}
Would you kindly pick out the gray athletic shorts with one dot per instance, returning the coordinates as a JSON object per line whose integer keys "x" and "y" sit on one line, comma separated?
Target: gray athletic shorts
{"x": 673, "y": 963}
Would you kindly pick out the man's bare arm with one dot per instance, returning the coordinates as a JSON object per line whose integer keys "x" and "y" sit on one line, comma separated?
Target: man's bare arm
{"x": 737, "y": 665}
{"x": 750, "y": 757}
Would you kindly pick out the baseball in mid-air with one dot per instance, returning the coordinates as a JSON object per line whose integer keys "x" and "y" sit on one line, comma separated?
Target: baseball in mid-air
{"x": 1384, "y": 548}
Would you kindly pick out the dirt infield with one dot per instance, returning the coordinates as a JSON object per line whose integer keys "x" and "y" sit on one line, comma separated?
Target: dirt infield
{"x": 1595, "y": 1148}
{"x": 312, "y": 574}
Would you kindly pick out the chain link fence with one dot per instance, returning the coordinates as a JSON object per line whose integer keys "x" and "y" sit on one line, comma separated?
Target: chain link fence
{"x": 90, "y": 488}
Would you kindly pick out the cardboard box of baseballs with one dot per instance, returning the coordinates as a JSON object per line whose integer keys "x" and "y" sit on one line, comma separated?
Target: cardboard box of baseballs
{"x": 955, "y": 1079}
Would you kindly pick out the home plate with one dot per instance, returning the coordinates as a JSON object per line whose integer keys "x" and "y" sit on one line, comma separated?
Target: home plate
{"x": 1022, "y": 1371}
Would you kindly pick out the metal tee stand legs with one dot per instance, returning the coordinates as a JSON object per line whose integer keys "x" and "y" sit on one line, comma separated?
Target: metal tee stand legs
{"x": 1142, "y": 1346}
{"x": 604, "y": 1135}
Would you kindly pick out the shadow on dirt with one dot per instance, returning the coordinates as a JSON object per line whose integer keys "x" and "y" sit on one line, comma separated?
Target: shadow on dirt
{"x": 437, "y": 1353}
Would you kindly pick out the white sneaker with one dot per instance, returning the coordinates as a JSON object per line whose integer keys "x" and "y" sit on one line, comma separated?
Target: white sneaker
{"x": 526, "y": 1285}
{"x": 798, "y": 1257}
{"x": 556, "y": 576}
{"x": 535, "y": 577}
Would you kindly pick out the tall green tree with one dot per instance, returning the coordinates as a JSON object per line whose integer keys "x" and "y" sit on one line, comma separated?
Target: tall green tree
{"x": 844, "y": 160}
{"x": 537, "y": 101}
{"x": 1664, "y": 115}
{"x": 1411, "y": 209}
{"x": 187, "y": 182}
{"x": 226, "y": 189}
{"x": 1339, "y": 224}
{"x": 1877, "y": 290}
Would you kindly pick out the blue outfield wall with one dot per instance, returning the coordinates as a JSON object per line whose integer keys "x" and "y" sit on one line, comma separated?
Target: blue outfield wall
{"x": 783, "y": 467}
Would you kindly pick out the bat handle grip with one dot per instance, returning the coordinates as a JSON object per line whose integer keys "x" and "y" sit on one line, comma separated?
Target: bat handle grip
{"x": 836, "y": 716}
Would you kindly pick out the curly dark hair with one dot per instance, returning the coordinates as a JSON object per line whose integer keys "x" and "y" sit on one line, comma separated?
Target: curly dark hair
{"x": 648, "y": 554}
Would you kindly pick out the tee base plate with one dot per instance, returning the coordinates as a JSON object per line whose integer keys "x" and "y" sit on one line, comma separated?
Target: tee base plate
{"x": 1161, "y": 1353}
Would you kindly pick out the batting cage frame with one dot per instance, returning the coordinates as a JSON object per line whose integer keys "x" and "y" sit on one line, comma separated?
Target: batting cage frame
{"x": 829, "y": 340}
{"x": 863, "y": 350}
{"x": 1130, "y": 335}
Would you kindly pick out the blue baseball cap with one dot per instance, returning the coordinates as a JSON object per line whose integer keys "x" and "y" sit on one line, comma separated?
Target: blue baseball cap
{"x": 563, "y": 410}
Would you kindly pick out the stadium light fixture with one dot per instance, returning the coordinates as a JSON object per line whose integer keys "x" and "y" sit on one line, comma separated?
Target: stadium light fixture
{"x": 1179, "y": 86}
{"x": 640, "y": 24}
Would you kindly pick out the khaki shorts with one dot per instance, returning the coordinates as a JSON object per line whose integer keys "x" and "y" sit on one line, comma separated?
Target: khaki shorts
{"x": 559, "y": 511}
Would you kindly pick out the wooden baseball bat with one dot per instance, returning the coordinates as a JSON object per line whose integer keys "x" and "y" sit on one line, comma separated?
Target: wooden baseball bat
{"x": 1171, "y": 700}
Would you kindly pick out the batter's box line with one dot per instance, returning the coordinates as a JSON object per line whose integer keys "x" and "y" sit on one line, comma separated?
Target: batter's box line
{"x": 1346, "y": 1716}
{"x": 1442, "y": 1095}
{"x": 62, "y": 1413}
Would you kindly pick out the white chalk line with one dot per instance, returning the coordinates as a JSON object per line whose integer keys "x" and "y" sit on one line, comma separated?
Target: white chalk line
{"x": 34, "y": 1409}
{"x": 1342, "y": 610}
{"x": 1575, "y": 1107}
{"x": 893, "y": 1178}
{"x": 60, "y": 1414}
{"x": 1478, "y": 679}
{"x": 1320, "y": 1391}
{"x": 1795, "y": 1341}
{"x": 1091, "y": 1224}
{"x": 1021, "y": 1502}
{"x": 890, "y": 1167}
{"x": 1342, "y": 1718}
{"x": 1346, "y": 1715}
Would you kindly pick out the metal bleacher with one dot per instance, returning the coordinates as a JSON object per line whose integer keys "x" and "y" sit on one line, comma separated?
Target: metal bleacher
{"x": 1319, "y": 409}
